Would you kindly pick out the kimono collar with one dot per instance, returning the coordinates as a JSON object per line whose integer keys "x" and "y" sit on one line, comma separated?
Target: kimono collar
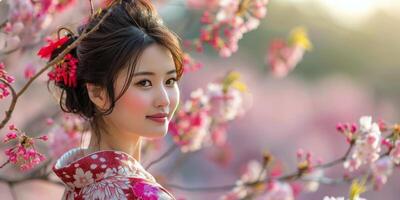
{"x": 78, "y": 171}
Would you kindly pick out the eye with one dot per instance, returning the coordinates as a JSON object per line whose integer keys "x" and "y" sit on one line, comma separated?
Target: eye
{"x": 171, "y": 81}
{"x": 144, "y": 83}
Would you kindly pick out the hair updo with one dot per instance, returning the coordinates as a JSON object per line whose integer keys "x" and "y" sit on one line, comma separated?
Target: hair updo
{"x": 131, "y": 26}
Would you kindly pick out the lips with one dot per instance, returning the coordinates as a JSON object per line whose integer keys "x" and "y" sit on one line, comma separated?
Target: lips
{"x": 159, "y": 117}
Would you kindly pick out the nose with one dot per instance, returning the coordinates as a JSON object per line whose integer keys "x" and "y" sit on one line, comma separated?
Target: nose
{"x": 162, "y": 100}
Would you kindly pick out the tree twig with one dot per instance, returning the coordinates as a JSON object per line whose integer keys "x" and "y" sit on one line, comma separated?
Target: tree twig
{"x": 164, "y": 155}
{"x": 289, "y": 177}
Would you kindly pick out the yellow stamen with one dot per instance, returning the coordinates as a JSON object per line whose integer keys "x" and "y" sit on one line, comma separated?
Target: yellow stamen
{"x": 299, "y": 37}
{"x": 357, "y": 188}
{"x": 243, "y": 7}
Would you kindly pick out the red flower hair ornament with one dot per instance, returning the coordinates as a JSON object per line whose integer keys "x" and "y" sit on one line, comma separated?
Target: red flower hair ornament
{"x": 64, "y": 72}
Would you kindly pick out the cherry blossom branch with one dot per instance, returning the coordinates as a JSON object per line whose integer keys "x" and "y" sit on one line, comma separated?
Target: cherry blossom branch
{"x": 289, "y": 177}
{"x": 12, "y": 104}
{"x": 326, "y": 180}
{"x": 298, "y": 175}
{"x": 203, "y": 189}
{"x": 248, "y": 184}
{"x": 337, "y": 161}
{"x": 4, "y": 164}
{"x": 48, "y": 65}
{"x": 9, "y": 51}
{"x": 164, "y": 155}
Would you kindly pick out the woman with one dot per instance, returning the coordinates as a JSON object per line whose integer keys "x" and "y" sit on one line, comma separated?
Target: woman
{"x": 126, "y": 87}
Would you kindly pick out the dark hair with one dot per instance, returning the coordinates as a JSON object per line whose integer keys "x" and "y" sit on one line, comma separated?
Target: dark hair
{"x": 132, "y": 26}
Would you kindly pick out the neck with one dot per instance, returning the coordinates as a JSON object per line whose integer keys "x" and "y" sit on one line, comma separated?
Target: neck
{"x": 119, "y": 142}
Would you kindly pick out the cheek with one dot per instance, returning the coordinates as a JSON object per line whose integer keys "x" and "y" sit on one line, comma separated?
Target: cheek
{"x": 134, "y": 103}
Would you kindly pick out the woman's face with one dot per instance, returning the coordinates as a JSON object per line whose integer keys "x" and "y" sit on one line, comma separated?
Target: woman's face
{"x": 147, "y": 106}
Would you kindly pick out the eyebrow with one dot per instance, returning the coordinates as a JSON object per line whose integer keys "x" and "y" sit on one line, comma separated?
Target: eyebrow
{"x": 151, "y": 73}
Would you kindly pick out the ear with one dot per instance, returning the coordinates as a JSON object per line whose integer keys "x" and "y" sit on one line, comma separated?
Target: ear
{"x": 98, "y": 96}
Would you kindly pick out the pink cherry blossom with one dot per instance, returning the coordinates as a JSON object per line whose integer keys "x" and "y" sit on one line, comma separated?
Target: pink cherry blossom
{"x": 284, "y": 55}
{"x": 218, "y": 134}
{"x": 43, "y": 137}
{"x": 225, "y": 105}
{"x": 283, "y": 58}
{"x": 236, "y": 194}
{"x": 225, "y": 26}
{"x": 49, "y": 121}
{"x": 29, "y": 71}
{"x": 4, "y": 77}
{"x": 347, "y": 130}
{"x": 190, "y": 126}
{"x": 253, "y": 171}
{"x": 367, "y": 145}
{"x": 304, "y": 161}
{"x": 26, "y": 20}
{"x": 395, "y": 152}
{"x": 278, "y": 191}
{"x": 381, "y": 170}
{"x": 312, "y": 185}
{"x": 202, "y": 119}
{"x": 63, "y": 4}
{"x": 9, "y": 137}
{"x": 24, "y": 24}
{"x": 24, "y": 154}
{"x": 190, "y": 64}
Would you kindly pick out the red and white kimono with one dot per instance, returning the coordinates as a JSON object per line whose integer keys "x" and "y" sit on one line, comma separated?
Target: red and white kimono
{"x": 106, "y": 175}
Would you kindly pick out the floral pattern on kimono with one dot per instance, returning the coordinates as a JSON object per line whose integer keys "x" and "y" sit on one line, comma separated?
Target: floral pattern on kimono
{"x": 106, "y": 175}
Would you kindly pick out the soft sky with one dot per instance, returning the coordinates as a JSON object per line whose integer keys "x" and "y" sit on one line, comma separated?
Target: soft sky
{"x": 353, "y": 12}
